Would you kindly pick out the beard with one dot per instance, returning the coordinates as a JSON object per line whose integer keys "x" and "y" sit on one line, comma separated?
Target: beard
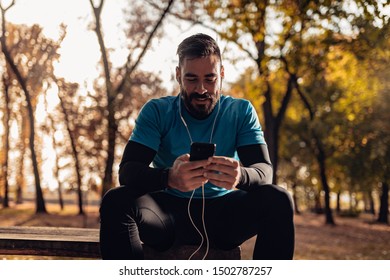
{"x": 199, "y": 110}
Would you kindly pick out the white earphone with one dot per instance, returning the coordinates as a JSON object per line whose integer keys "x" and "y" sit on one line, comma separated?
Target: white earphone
{"x": 193, "y": 192}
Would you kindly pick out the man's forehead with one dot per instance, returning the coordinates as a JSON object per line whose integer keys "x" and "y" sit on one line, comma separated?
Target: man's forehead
{"x": 210, "y": 64}
{"x": 212, "y": 59}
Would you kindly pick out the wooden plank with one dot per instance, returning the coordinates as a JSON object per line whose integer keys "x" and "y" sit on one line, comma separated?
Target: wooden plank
{"x": 50, "y": 241}
{"x": 84, "y": 243}
{"x": 50, "y": 233}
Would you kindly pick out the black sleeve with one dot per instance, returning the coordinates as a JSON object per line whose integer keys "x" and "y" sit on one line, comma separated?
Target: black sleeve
{"x": 257, "y": 167}
{"x": 135, "y": 170}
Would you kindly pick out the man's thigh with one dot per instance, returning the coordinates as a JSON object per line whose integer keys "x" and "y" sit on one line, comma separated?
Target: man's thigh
{"x": 232, "y": 219}
{"x": 184, "y": 213}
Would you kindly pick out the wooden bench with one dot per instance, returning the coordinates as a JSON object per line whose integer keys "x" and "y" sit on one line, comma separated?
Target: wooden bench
{"x": 84, "y": 243}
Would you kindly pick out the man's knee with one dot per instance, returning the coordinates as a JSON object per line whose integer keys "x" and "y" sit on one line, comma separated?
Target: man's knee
{"x": 111, "y": 196}
{"x": 115, "y": 199}
{"x": 277, "y": 197}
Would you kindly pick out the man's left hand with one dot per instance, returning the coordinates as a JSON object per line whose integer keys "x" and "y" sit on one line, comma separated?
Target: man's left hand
{"x": 223, "y": 172}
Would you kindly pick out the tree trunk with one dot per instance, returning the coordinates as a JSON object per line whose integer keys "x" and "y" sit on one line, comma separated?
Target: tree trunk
{"x": 59, "y": 190}
{"x": 320, "y": 155}
{"x": 372, "y": 203}
{"x": 20, "y": 179}
{"x": 40, "y": 202}
{"x": 324, "y": 182}
{"x": 318, "y": 209}
{"x": 338, "y": 202}
{"x": 351, "y": 201}
{"x": 56, "y": 162}
{"x": 273, "y": 123}
{"x": 111, "y": 93}
{"x": 271, "y": 131}
{"x": 74, "y": 152}
{"x": 325, "y": 187}
{"x": 384, "y": 204}
{"x": 112, "y": 130}
{"x": 56, "y": 174}
{"x": 7, "y": 114}
{"x": 295, "y": 199}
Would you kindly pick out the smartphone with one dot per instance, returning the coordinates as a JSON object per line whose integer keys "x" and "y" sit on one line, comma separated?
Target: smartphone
{"x": 201, "y": 151}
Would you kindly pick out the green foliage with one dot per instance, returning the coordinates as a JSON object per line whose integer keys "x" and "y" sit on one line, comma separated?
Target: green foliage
{"x": 339, "y": 52}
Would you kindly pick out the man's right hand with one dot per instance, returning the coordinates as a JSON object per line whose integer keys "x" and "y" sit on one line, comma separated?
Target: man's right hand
{"x": 186, "y": 175}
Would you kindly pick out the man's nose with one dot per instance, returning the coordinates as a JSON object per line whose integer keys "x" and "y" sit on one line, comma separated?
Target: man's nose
{"x": 200, "y": 88}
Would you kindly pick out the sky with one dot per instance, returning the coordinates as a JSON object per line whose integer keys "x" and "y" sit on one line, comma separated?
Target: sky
{"x": 80, "y": 53}
{"x": 77, "y": 59}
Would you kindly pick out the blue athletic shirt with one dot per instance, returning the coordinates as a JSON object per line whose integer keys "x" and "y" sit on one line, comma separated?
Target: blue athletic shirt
{"x": 160, "y": 128}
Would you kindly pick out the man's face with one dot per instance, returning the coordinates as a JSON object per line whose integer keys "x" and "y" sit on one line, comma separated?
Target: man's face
{"x": 200, "y": 84}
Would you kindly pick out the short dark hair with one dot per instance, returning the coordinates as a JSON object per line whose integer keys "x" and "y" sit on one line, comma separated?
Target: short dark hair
{"x": 198, "y": 45}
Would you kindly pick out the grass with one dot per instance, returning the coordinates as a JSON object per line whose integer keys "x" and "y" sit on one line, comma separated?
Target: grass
{"x": 359, "y": 238}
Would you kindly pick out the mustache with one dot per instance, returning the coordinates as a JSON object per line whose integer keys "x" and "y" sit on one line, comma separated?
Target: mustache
{"x": 197, "y": 95}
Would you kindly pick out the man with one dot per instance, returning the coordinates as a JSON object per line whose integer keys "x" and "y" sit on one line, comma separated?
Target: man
{"x": 223, "y": 200}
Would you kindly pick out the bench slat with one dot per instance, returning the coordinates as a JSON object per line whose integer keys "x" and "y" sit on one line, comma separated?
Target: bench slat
{"x": 84, "y": 243}
{"x": 44, "y": 241}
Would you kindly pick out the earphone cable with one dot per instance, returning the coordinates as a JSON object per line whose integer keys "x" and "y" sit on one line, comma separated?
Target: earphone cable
{"x": 204, "y": 224}
{"x": 193, "y": 224}
{"x": 215, "y": 120}
{"x": 184, "y": 122}
{"x": 203, "y": 194}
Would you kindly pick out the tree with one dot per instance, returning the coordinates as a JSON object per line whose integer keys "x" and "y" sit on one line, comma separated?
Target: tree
{"x": 5, "y": 153}
{"x": 52, "y": 127}
{"x": 367, "y": 151}
{"x": 378, "y": 136}
{"x": 63, "y": 90}
{"x": 40, "y": 203}
{"x": 63, "y": 125}
{"x": 268, "y": 32}
{"x": 29, "y": 57}
{"x": 113, "y": 90}
{"x": 275, "y": 35}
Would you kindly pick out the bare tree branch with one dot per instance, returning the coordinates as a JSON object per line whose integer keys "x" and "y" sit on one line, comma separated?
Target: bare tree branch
{"x": 97, "y": 10}
{"x": 3, "y": 10}
{"x": 303, "y": 97}
{"x": 107, "y": 72}
{"x": 130, "y": 69}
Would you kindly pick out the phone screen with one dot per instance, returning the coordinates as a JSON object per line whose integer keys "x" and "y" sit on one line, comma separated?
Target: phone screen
{"x": 201, "y": 151}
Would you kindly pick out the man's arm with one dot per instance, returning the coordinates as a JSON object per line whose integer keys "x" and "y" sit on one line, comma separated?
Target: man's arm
{"x": 134, "y": 169}
{"x": 257, "y": 166}
{"x": 227, "y": 173}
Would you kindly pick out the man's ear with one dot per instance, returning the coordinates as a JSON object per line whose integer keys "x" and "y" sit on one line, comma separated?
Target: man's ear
{"x": 222, "y": 74}
{"x": 178, "y": 74}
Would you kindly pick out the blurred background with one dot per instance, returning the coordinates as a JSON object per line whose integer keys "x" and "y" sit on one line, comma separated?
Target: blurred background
{"x": 74, "y": 75}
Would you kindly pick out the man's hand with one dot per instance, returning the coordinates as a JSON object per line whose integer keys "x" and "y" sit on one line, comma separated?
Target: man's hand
{"x": 223, "y": 172}
{"x": 186, "y": 175}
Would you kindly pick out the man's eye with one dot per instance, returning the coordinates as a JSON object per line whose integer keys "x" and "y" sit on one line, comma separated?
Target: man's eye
{"x": 210, "y": 80}
{"x": 191, "y": 80}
